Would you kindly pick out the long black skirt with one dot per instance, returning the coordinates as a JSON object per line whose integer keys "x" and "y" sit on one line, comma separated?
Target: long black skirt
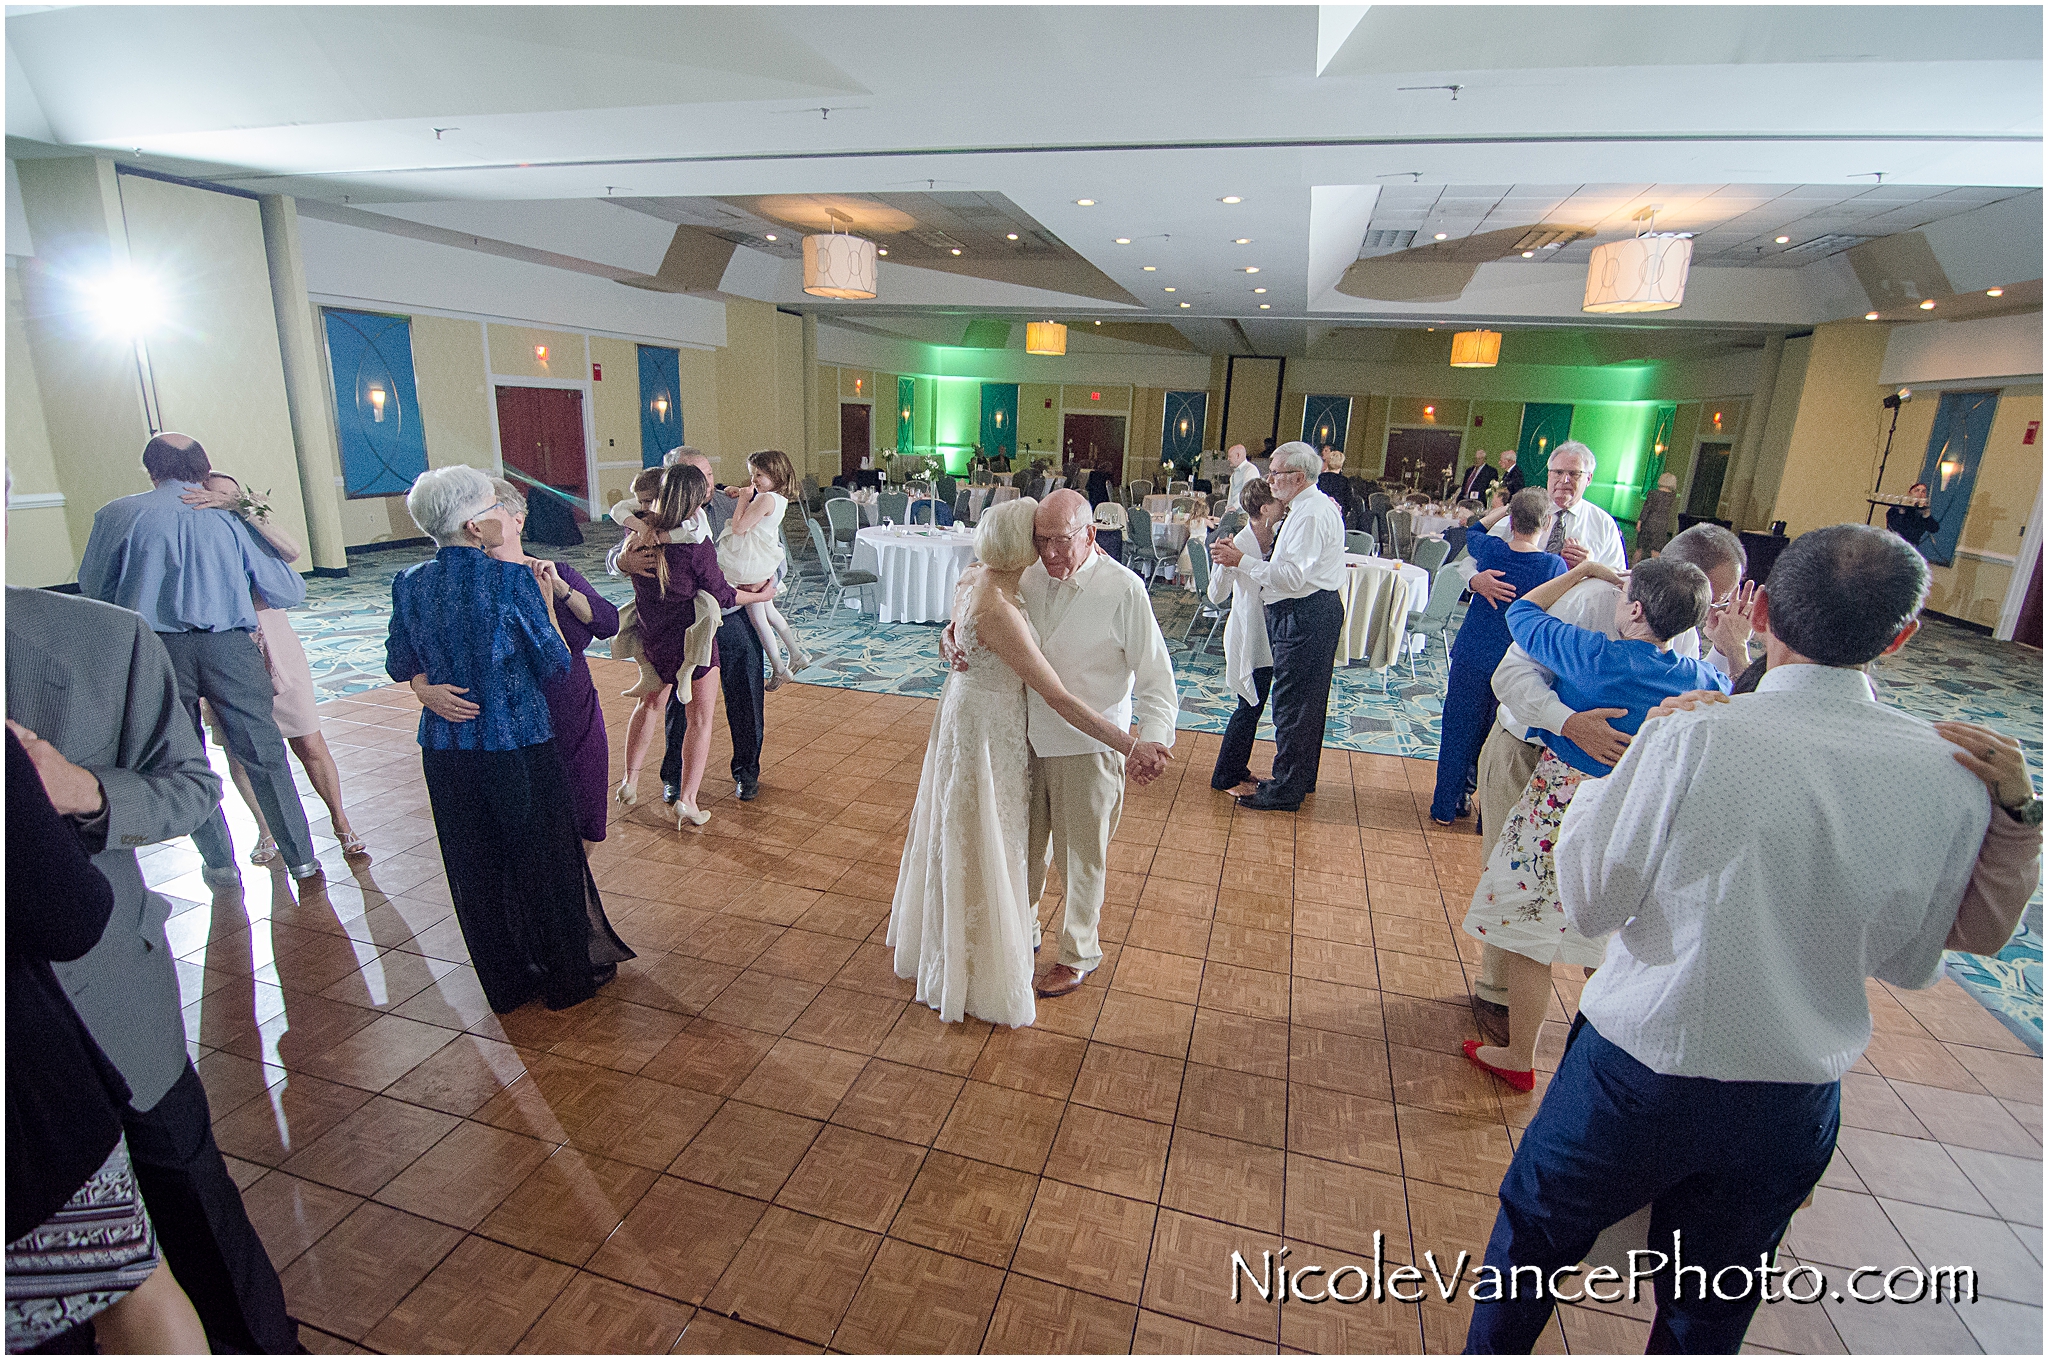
{"x": 523, "y": 891}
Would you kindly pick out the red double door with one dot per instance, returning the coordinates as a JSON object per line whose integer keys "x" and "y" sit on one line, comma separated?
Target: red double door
{"x": 540, "y": 434}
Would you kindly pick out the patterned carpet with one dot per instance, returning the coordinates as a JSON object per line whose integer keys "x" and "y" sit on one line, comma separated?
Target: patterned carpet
{"x": 1945, "y": 672}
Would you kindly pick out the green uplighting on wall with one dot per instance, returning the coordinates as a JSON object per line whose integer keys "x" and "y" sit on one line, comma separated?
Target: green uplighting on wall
{"x": 956, "y": 420}
{"x": 1621, "y": 435}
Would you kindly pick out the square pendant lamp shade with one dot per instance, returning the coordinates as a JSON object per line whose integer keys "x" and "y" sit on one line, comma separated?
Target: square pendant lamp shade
{"x": 1045, "y": 337}
{"x": 1642, "y": 274}
{"x": 1475, "y": 349}
{"x": 837, "y": 266}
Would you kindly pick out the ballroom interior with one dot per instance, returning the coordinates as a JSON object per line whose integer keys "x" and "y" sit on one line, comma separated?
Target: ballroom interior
{"x": 343, "y": 245}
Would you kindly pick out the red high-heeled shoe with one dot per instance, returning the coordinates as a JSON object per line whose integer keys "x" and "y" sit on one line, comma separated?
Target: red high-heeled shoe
{"x": 1521, "y": 1081}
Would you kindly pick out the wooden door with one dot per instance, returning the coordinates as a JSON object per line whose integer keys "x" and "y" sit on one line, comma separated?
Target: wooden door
{"x": 1096, "y": 443}
{"x": 853, "y": 435}
{"x": 540, "y": 434}
{"x": 1424, "y": 459}
{"x": 1710, "y": 469}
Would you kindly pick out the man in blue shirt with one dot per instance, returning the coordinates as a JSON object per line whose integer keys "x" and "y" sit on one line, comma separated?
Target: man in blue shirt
{"x": 188, "y": 572}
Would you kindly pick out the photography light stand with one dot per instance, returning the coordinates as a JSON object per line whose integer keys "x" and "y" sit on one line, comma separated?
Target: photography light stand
{"x": 1892, "y": 403}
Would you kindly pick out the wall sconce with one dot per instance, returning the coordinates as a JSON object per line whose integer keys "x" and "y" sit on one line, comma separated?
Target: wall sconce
{"x": 661, "y": 410}
{"x": 1950, "y": 470}
{"x": 858, "y": 384}
{"x": 1717, "y": 420}
{"x": 999, "y": 420}
{"x": 540, "y": 354}
{"x": 1429, "y": 412}
{"x": 1183, "y": 425}
{"x": 1542, "y": 442}
{"x": 377, "y": 405}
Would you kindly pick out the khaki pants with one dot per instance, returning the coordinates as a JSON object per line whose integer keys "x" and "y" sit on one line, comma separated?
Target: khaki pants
{"x": 1076, "y": 802}
{"x": 1505, "y": 764}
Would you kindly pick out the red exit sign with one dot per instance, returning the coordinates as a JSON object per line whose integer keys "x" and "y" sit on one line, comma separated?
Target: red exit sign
{"x": 2033, "y": 432}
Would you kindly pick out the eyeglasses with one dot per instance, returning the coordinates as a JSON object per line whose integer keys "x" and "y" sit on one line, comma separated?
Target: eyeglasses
{"x": 1041, "y": 542}
{"x": 1571, "y": 474}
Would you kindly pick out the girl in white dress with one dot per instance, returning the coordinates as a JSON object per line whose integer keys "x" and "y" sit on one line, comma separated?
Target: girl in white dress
{"x": 963, "y": 919}
{"x": 750, "y": 553}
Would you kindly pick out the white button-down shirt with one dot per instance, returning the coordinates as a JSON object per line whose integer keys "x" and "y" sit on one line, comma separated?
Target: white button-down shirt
{"x": 1244, "y": 472}
{"x": 1759, "y": 860}
{"x": 1309, "y": 553}
{"x": 1246, "y": 647}
{"x": 1586, "y": 522}
{"x": 1098, "y": 633}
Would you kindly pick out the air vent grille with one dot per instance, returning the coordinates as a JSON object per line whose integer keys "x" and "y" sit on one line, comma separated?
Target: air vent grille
{"x": 1389, "y": 240}
{"x": 1543, "y": 237}
{"x": 1831, "y": 244}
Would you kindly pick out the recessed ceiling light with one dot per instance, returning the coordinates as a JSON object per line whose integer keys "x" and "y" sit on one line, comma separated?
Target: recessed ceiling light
{"x": 1232, "y": 198}
{"x": 1251, "y": 269}
{"x": 1151, "y": 269}
{"x": 1927, "y": 306}
{"x": 1258, "y": 290}
{"x": 1870, "y": 316}
{"x": 1187, "y": 304}
{"x": 1243, "y": 241}
{"x": 1781, "y": 240}
{"x": 881, "y": 252}
{"x": 1443, "y": 236}
{"x": 1994, "y": 292}
{"x": 956, "y": 250}
{"x": 1013, "y": 236}
{"x": 1084, "y": 202}
{"x": 1528, "y": 254}
{"x": 770, "y": 236}
{"x": 1171, "y": 289}
{"x": 1123, "y": 240}
{"x": 1265, "y": 306}
{"x": 1098, "y": 323}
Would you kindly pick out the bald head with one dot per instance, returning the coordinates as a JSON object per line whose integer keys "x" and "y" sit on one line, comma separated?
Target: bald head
{"x": 175, "y": 458}
{"x": 1064, "y": 532}
{"x": 1236, "y": 455}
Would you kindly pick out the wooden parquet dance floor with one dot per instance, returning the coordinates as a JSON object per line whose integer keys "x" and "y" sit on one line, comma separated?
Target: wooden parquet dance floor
{"x": 754, "y": 1140}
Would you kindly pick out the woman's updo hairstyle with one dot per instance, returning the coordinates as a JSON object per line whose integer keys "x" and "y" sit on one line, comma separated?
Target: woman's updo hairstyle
{"x": 1002, "y": 541}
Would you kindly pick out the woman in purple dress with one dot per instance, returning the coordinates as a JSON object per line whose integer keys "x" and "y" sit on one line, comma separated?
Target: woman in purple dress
{"x": 582, "y": 614}
{"x": 680, "y": 593}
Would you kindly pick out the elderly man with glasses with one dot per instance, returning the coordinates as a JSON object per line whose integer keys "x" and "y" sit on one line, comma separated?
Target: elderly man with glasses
{"x": 1304, "y": 617}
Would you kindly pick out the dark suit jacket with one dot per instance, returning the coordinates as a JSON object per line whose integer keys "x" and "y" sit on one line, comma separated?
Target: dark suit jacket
{"x": 1478, "y": 481}
{"x": 93, "y": 681}
{"x": 1513, "y": 479}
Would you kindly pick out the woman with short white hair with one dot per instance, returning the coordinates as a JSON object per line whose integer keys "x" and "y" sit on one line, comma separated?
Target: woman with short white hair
{"x": 477, "y": 639}
{"x": 963, "y": 917}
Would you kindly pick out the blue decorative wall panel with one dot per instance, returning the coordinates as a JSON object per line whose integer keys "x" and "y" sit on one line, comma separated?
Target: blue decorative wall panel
{"x": 1962, "y": 426}
{"x": 661, "y": 404}
{"x": 999, "y": 419}
{"x": 1180, "y": 435}
{"x": 1544, "y": 427}
{"x": 376, "y": 406}
{"x": 1325, "y": 420}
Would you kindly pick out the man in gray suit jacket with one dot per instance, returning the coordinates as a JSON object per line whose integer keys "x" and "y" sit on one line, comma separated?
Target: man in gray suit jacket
{"x": 95, "y": 690}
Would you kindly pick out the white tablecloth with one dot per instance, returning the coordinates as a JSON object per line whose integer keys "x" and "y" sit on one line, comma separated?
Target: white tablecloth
{"x": 1365, "y": 581}
{"x": 918, "y": 569}
{"x": 871, "y": 510}
{"x": 1158, "y": 505}
{"x": 1426, "y": 525}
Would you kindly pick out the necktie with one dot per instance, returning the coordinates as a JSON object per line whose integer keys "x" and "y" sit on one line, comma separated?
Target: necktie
{"x": 1557, "y": 533}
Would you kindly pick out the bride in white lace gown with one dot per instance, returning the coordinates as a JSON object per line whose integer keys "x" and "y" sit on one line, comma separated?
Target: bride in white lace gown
{"x": 962, "y": 921}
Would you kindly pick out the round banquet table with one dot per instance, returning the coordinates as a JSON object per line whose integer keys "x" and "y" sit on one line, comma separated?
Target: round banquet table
{"x": 918, "y": 570}
{"x": 1159, "y": 505}
{"x": 1429, "y": 526}
{"x": 1368, "y": 617}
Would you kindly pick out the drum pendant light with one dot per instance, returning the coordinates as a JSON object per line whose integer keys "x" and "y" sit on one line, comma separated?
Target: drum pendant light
{"x": 1045, "y": 337}
{"x": 1643, "y": 274}
{"x": 839, "y": 266}
{"x": 1475, "y": 349}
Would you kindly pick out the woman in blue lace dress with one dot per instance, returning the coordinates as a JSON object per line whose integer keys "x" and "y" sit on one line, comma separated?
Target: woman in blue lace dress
{"x": 477, "y": 640}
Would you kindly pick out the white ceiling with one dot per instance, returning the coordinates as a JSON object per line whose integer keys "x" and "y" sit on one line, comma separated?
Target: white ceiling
{"x": 503, "y": 129}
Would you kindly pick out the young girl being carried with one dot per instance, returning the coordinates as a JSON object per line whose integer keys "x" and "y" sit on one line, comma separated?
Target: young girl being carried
{"x": 632, "y": 514}
{"x": 750, "y": 553}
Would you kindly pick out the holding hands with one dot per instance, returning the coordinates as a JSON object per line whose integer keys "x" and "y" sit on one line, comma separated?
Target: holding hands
{"x": 1146, "y": 762}
{"x": 1225, "y": 553}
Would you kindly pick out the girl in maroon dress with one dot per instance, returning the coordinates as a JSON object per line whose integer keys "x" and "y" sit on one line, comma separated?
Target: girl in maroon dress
{"x": 666, "y": 597}
{"x": 582, "y": 614}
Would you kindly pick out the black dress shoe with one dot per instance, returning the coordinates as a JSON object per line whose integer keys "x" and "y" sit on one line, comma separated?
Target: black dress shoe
{"x": 1263, "y": 801}
{"x": 749, "y": 790}
{"x": 671, "y": 792}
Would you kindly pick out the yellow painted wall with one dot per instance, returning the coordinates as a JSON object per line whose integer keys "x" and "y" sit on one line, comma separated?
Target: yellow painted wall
{"x": 1746, "y": 505}
{"x": 1826, "y": 470}
{"x": 615, "y": 412}
{"x": 39, "y": 550}
{"x": 760, "y": 388}
{"x": 1038, "y": 424}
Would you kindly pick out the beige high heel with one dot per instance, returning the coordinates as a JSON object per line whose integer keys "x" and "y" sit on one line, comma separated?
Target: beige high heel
{"x": 688, "y": 812}
{"x": 629, "y": 791}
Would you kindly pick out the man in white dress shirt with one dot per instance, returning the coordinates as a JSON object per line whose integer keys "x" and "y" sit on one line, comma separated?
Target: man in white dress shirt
{"x": 1759, "y": 860}
{"x": 1096, "y": 628}
{"x": 1304, "y": 618}
{"x": 1242, "y": 470}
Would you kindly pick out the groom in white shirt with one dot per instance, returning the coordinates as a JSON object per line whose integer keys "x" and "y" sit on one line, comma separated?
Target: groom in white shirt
{"x": 1096, "y": 628}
